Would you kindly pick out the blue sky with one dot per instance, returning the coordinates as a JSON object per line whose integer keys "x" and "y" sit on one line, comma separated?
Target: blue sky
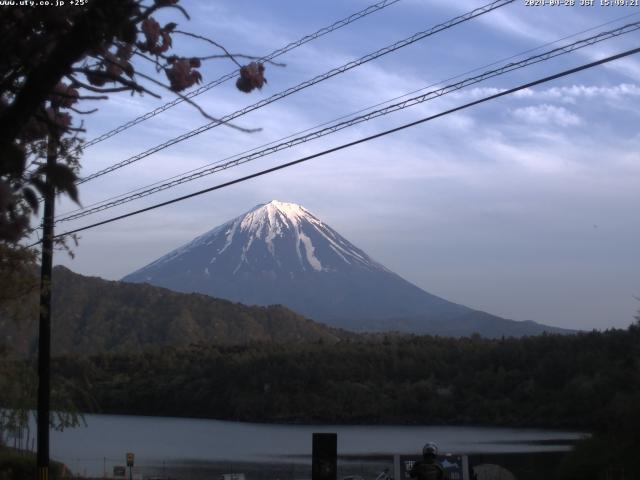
{"x": 525, "y": 207}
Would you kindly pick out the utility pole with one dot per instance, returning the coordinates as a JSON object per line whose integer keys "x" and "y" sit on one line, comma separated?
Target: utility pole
{"x": 44, "y": 339}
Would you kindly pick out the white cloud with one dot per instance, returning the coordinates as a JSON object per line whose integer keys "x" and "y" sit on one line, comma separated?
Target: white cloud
{"x": 569, "y": 94}
{"x": 514, "y": 159}
{"x": 546, "y": 114}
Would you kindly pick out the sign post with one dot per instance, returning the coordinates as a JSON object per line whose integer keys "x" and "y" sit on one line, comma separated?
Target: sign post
{"x": 324, "y": 456}
{"x": 130, "y": 458}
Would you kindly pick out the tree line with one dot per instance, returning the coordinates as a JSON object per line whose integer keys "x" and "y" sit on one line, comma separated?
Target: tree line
{"x": 586, "y": 381}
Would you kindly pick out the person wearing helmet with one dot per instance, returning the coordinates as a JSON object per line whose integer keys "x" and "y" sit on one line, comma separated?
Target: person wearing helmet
{"x": 428, "y": 468}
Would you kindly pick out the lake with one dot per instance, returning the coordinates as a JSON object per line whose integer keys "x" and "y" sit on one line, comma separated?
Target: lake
{"x": 204, "y": 448}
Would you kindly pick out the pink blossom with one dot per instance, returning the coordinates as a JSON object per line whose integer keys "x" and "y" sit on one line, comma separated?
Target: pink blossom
{"x": 64, "y": 95}
{"x": 182, "y": 75}
{"x": 251, "y": 76}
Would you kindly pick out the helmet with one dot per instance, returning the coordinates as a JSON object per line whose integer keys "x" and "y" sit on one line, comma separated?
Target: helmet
{"x": 430, "y": 449}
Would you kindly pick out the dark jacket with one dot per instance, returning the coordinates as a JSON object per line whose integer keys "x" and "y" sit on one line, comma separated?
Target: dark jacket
{"x": 428, "y": 469}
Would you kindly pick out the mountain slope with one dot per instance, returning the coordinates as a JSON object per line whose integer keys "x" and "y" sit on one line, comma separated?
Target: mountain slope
{"x": 280, "y": 253}
{"x": 92, "y": 315}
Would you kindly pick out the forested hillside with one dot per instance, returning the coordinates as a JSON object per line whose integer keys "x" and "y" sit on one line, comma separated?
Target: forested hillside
{"x": 92, "y": 315}
{"x": 582, "y": 381}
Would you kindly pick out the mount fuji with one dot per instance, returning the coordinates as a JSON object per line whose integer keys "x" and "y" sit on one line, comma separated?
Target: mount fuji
{"x": 280, "y": 253}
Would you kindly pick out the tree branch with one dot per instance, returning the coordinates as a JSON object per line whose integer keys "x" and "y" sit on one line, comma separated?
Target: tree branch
{"x": 179, "y": 8}
{"x": 198, "y": 107}
{"x": 241, "y": 55}
{"x": 68, "y": 50}
{"x": 78, "y": 83}
{"x": 83, "y": 112}
{"x": 200, "y": 37}
{"x": 130, "y": 84}
{"x": 150, "y": 9}
{"x": 93, "y": 97}
{"x": 158, "y": 65}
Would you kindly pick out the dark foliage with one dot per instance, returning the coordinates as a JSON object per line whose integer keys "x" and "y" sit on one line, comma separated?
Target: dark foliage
{"x": 61, "y": 57}
{"x": 92, "y": 315}
{"x": 586, "y": 381}
{"x": 16, "y": 465}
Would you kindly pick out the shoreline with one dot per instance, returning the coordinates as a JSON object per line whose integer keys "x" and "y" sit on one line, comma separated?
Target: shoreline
{"x": 367, "y": 467}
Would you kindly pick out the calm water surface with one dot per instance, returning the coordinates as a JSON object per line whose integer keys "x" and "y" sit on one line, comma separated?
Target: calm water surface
{"x": 161, "y": 440}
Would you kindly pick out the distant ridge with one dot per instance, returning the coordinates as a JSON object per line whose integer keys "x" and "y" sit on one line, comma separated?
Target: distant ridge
{"x": 280, "y": 253}
{"x": 92, "y": 315}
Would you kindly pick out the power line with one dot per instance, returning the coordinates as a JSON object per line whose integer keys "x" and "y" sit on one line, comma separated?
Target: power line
{"x": 357, "y": 142}
{"x": 285, "y": 93}
{"x": 239, "y": 160}
{"x": 276, "y": 53}
{"x": 342, "y": 117}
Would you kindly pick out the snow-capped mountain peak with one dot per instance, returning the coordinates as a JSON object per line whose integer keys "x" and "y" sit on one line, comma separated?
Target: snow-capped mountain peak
{"x": 269, "y": 214}
{"x": 277, "y": 237}
{"x": 279, "y": 220}
{"x": 280, "y": 253}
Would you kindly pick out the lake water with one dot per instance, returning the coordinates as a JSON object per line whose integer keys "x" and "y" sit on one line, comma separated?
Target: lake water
{"x": 163, "y": 444}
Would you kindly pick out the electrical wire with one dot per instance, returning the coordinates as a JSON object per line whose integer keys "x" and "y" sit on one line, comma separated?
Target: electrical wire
{"x": 362, "y": 118}
{"x": 342, "y": 117}
{"x": 276, "y": 53}
{"x": 308, "y": 83}
{"x": 356, "y": 142}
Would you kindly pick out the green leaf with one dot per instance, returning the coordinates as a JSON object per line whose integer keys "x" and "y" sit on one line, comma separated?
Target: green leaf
{"x": 12, "y": 160}
{"x": 31, "y": 198}
{"x": 61, "y": 176}
{"x": 71, "y": 190}
{"x": 39, "y": 184}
